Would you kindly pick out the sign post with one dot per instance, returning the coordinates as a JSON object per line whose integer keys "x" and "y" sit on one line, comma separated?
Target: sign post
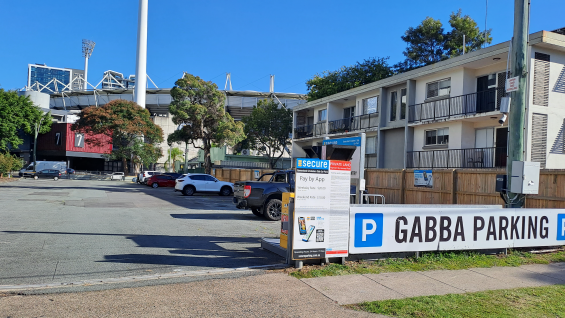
{"x": 321, "y": 212}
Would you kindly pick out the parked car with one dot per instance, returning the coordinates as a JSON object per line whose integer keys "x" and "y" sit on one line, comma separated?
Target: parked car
{"x": 199, "y": 182}
{"x": 43, "y": 165}
{"x": 48, "y": 173}
{"x": 173, "y": 174}
{"x": 161, "y": 180}
{"x": 144, "y": 176}
{"x": 264, "y": 197}
{"x": 70, "y": 171}
{"x": 117, "y": 176}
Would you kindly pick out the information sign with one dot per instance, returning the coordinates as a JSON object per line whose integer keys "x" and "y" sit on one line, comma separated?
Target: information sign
{"x": 356, "y": 159}
{"x": 512, "y": 84}
{"x": 398, "y": 229}
{"x": 423, "y": 178}
{"x": 321, "y": 210}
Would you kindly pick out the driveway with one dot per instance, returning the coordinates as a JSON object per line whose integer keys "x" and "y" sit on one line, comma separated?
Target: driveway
{"x": 72, "y": 230}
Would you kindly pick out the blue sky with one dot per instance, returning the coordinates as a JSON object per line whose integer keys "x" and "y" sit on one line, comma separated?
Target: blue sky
{"x": 250, "y": 39}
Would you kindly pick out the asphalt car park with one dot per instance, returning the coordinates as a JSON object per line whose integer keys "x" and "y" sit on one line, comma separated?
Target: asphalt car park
{"x": 73, "y": 230}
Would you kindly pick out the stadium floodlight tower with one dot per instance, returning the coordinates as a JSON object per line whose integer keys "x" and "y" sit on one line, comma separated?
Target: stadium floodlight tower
{"x": 87, "y": 48}
{"x": 141, "y": 60}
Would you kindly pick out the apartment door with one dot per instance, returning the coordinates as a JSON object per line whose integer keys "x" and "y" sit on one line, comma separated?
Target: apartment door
{"x": 348, "y": 115}
{"x": 501, "y": 144}
{"x": 486, "y": 93}
{"x": 483, "y": 155}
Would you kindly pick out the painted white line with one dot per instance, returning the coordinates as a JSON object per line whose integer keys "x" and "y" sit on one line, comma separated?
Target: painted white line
{"x": 177, "y": 273}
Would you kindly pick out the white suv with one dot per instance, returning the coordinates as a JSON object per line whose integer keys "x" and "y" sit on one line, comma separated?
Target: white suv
{"x": 145, "y": 175}
{"x": 199, "y": 182}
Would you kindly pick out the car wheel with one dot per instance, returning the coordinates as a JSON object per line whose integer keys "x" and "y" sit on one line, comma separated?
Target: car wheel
{"x": 188, "y": 190}
{"x": 257, "y": 211}
{"x": 56, "y": 178}
{"x": 155, "y": 185}
{"x": 35, "y": 177}
{"x": 273, "y": 210}
{"x": 225, "y": 191}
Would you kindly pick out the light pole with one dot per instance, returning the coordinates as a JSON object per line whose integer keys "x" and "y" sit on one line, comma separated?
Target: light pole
{"x": 141, "y": 59}
{"x": 87, "y": 48}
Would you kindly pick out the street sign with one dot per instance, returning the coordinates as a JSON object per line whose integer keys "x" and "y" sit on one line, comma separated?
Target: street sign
{"x": 512, "y": 84}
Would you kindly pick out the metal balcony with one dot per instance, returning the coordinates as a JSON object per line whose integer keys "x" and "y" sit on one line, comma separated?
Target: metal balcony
{"x": 306, "y": 131}
{"x": 492, "y": 157}
{"x": 354, "y": 123}
{"x": 478, "y": 102}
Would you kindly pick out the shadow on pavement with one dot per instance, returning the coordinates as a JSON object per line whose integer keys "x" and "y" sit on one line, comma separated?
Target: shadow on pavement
{"x": 215, "y": 216}
{"x": 199, "y": 251}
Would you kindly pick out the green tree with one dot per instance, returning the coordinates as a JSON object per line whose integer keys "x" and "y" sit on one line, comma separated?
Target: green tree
{"x": 144, "y": 153}
{"x": 9, "y": 163}
{"x": 428, "y": 43}
{"x": 18, "y": 113}
{"x": 125, "y": 122}
{"x": 198, "y": 107}
{"x": 474, "y": 37}
{"x": 268, "y": 129}
{"x": 348, "y": 77}
{"x": 173, "y": 154}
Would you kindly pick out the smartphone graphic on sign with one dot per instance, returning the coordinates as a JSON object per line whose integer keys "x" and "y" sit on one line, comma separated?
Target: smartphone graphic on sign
{"x": 302, "y": 225}
{"x": 425, "y": 176}
{"x": 306, "y": 238}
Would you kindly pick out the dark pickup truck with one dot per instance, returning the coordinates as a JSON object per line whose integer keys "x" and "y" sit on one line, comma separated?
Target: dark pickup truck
{"x": 264, "y": 197}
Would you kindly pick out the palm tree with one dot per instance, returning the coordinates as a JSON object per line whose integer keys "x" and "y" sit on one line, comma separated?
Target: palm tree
{"x": 173, "y": 154}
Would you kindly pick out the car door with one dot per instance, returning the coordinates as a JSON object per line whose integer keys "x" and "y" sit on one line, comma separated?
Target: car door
{"x": 212, "y": 185}
{"x": 170, "y": 181}
{"x": 198, "y": 182}
{"x": 43, "y": 174}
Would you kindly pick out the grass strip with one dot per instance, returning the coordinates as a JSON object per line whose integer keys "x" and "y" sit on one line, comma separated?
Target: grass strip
{"x": 548, "y": 301}
{"x": 429, "y": 261}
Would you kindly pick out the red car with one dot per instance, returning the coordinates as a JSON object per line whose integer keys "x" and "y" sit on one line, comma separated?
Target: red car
{"x": 161, "y": 180}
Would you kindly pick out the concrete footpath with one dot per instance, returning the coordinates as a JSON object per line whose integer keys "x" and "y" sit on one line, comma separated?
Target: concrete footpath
{"x": 275, "y": 294}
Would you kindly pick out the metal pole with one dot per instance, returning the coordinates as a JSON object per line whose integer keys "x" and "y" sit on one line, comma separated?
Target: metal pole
{"x": 141, "y": 60}
{"x": 517, "y": 110}
{"x": 463, "y": 44}
{"x": 85, "y": 71}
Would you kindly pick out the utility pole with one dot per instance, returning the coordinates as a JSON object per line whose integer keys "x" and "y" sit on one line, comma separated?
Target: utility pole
{"x": 518, "y": 103}
{"x": 141, "y": 58}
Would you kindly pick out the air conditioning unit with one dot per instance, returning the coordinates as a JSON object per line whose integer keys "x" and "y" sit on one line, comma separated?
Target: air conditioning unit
{"x": 245, "y": 152}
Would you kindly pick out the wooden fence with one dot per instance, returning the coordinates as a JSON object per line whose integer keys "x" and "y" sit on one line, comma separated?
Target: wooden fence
{"x": 461, "y": 186}
{"x": 235, "y": 175}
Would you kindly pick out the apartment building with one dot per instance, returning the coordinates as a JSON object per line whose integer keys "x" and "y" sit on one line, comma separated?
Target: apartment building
{"x": 446, "y": 115}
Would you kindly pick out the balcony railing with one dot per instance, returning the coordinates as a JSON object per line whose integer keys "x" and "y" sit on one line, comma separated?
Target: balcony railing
{"x": 354, "y": 123}
{"x": 479, "y": 102}
{"x": 492, "y": 157}
{"x": 306, "y": 131}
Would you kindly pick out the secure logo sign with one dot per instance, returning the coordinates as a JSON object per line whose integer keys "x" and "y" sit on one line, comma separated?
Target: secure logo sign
{"x": 368, "y": 230}
{"x": 560, "y": 227}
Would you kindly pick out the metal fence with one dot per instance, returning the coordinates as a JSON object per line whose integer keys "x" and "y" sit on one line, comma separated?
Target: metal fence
{"x": 354, "y": 123}
{"x": 478, "y": 102}
{"x": 492, "y": 157}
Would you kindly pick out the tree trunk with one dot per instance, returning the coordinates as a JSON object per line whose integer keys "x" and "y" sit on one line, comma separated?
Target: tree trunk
{"x": 207, "y": 159}
{"x": 125, "y": 166}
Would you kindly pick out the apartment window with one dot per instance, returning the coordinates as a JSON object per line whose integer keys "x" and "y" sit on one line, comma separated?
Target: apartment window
{"x": 439, "y": 88}
{"x": 437, "y": 137}
{"x": 322, "y": 115}
{"x": 370, "y": 105}
{"x": 403, "y": 103}
{"x": 371, "y": 145}
{"x": 393, "y": 101}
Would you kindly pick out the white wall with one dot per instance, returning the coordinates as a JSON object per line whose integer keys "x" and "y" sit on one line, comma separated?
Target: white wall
{"x": 555, "y": 110}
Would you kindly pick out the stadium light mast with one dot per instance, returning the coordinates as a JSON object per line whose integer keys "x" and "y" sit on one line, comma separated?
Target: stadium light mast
{"x": 87, "y": 48}
{"x": 141, "y": 59}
